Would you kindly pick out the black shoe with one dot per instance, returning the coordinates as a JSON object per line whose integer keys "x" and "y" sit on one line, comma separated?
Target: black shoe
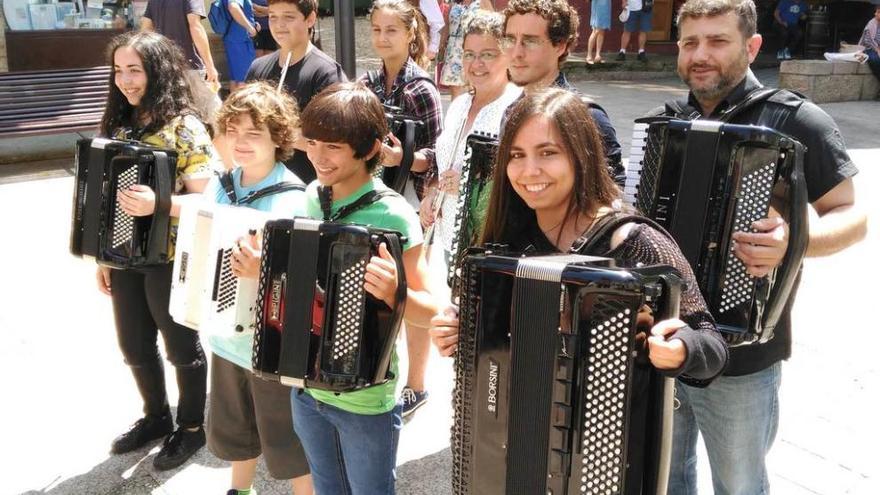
{"x": 621, "y": 56}
{"x": 142, "y": 432}
{"x": 642, "y": 56}
{"x": 178, "y": 447}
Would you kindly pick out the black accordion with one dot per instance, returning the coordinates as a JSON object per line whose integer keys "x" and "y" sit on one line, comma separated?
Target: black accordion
{"x": 406, "y": 128}
{"x": 475, "y": 181}
{"x": 99, "y": 227}
{"x": 554, "y": 391}
{"x": 703, "y": 181}
{"x": 316, "y": 326}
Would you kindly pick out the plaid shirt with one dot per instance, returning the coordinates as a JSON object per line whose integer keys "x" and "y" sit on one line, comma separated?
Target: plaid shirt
{"x": 419, "y": 99}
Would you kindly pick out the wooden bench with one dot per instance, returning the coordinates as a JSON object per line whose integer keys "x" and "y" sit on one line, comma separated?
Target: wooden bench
{"x": 52, "y": 102}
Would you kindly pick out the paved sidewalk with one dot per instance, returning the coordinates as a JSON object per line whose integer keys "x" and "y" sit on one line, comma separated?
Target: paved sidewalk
{"x": 68, "y": 392}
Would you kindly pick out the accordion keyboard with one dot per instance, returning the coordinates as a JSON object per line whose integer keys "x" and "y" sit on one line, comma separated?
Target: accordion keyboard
{"x": 123, "y": 223}
{"x": 346, "y": 341}
{"x": 228, "y": 282}
{"x": 635, "y": 162}
{"x": 751, "y": 206}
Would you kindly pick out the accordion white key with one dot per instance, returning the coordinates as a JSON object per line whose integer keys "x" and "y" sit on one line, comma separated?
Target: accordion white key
{"x": 205, "y": 294}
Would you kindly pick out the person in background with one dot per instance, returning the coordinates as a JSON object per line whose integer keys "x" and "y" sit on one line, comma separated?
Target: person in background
{"x": 871, "y": 42}
{"x": 639, "y": 21}
{"x": 600, "y": 21}
{"x": 453, "y": 37}
{"x": 264, "y": 43}
{"x": 238, "y": 42}
{"x": 181, "y": 22}
{"x": 434, "y": 17}
{"x": 788, "y": 16}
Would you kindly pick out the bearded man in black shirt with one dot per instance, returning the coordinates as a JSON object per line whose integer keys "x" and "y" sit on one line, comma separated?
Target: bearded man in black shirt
{"x": 738, "y": 413}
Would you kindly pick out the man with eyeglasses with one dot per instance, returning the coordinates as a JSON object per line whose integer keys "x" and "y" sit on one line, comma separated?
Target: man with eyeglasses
{"x": 538, "y": 35}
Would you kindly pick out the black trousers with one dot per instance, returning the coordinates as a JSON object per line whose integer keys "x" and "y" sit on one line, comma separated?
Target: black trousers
{"x": 791, "y": 35}
{"x": 140, "y": 308}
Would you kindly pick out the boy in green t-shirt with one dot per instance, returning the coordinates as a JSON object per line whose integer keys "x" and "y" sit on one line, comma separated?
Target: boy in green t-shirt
{"x": 350, "y": 439}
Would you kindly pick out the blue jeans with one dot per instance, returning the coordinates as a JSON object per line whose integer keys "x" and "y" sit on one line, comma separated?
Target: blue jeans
{"x": 738, "y": 417}
{"x": 873, "y": 62}
{"x": 348, "y": 453}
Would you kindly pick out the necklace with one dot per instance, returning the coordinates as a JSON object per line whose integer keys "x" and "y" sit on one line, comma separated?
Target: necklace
{"x": 547, "y": 232}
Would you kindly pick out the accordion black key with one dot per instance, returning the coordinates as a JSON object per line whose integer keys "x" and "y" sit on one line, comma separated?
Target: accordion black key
{"x": 99, "y": 227}
{"x": 703, "y": 181}
{"x": 316, "y": 326}
{"x": 475, "y": 181}
{"x": 554, "y": 391}
{"x": 406, "y": 128}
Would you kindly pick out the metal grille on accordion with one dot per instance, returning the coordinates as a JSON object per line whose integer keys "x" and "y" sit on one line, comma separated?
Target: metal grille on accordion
{"x": 316, "y": 326}
{"x": 554, "y": 392}
{"x": 703, "y": 181}
{"x": 205, "y": 294}
{"x": 99, "y": 227}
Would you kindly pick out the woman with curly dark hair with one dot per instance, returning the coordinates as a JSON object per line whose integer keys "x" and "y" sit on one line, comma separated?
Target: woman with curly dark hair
{"x": 150, "y": 102}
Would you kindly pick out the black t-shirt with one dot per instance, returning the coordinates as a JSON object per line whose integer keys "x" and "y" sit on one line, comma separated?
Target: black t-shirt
{"x": 303, "y": 80}
{"x": 826, "y": 164}
{"x": 169, "y": 19}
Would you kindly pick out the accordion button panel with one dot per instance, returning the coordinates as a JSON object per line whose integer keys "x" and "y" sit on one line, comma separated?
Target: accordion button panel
{"x": 123, "y": 223}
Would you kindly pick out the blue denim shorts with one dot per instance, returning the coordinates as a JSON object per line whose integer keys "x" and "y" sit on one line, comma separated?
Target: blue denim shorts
{"x": 638, "y": 21}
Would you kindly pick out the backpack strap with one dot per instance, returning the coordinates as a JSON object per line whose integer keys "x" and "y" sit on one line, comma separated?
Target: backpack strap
{"x": 325, "y": 196}
{"x": 588, "y": 241}
{"x": 228, "y": 186}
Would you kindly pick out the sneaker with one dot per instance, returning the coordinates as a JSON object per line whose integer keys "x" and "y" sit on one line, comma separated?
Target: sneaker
{"x": 412, "y": 400}
{"x": 142, "y": 432}
{"x": 786, "y": 54}
{"x": 642, "y": 56}
{"x": 621, "y": 56}
{"x": 780, "y": 54}
{"x": 178, "y": 448}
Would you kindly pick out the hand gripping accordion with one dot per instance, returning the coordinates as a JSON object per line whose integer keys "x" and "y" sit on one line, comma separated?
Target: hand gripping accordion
{"x": 405, "y": 128}
{"x": 554, "y": 391}
{"x": 703, "y": 181}
{"x": 205, "y": 294}
{"x": 99, "y": 227}
{"x": 316, "y": 326}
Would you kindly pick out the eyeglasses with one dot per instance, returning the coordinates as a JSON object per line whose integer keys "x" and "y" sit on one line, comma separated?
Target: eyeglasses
{"x": 528, "y": 44}
{"x": 486, "y": 57}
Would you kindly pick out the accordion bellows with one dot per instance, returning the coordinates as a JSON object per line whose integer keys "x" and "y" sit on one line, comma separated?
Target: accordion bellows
{"x": 205, "y": 294}
{"x": 703, "y": 181}
{"x": 554, "y": 391}
{"x": 99, "y": 227}
{"x": 316, "y": 327}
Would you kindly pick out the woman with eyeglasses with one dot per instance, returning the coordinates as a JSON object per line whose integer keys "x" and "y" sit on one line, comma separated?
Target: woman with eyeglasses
{"x": 481, "y": 110}
{"x": 459, "y": 14}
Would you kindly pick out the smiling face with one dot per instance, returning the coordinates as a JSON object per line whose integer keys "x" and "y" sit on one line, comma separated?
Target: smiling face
{"x": 251, "y": 146}
{"x": 390, "y": 37}
{"x": 129, "y": 74}
{"x": 484, "y": 64}
{"x": 534, "y": 60}
{"x": 713, "y": 55}
{"x": 336, "y": 166}
{"x": 288, "y": 26}
{"x": 540, "y": 169}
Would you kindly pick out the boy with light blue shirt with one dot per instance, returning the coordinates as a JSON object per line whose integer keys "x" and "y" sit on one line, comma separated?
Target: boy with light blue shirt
{"x": 249, "y": 416}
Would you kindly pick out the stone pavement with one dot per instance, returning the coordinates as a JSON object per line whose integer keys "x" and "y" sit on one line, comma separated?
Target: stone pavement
{"x": 68, "y": 392}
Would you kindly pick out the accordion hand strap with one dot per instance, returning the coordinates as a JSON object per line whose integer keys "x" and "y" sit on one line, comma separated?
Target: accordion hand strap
{"x": 409, "y": 156}
{"x": 162, "y": 214}
{"x": 394, "y": 247}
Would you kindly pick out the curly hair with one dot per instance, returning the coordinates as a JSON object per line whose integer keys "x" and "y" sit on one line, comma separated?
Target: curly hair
{"x": 562, "y": 20}
{"x": 347, "y": 113}
{"x": 418, "y": 27}
{"x": 593, "y": 187}
{"x": 485, "y": 23}
{"x": 167, "y": 95}
{"x": 267, "y": 107}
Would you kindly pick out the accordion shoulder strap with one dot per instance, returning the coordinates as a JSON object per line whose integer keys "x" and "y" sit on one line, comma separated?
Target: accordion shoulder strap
{"x": 586, "y": 243}
{"x": 227, "y": 183}
{"x": 325, "y": 196}
{"x": 161, "y": 216}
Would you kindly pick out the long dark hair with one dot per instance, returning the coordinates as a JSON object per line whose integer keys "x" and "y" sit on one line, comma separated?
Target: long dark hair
{"x": 508, "y": 216}
{"x": 167, "y": 95}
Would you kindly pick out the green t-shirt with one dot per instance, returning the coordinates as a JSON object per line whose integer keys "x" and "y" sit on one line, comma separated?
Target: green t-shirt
{"x": 390, "y": 212}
